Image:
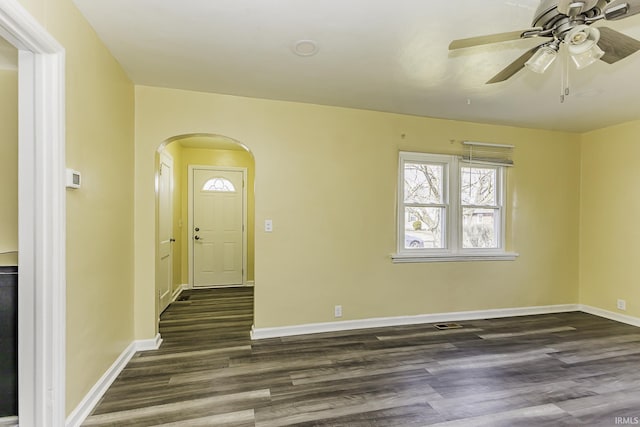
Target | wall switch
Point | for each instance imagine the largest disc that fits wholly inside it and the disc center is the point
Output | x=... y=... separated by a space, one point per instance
x=622 y=305
x=337 y=311
x=268 y=225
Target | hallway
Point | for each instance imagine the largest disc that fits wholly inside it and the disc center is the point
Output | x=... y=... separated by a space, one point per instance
x=201 y=332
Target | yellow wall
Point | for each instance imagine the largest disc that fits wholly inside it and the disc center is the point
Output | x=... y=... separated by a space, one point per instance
x=99 y=144
x=236 y=158
x=327 y=178
x=8 y=166
x=610 y=236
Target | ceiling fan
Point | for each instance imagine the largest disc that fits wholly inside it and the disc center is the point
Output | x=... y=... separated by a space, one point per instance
x=567 y=22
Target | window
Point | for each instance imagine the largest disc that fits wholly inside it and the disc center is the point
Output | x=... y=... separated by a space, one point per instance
x=425 y=204
x=222 y=185
x=449 y=209
x=481 y=207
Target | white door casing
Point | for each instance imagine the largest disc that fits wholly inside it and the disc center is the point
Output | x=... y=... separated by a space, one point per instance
x=164 y=278
x=217 y=221
x=41 y=218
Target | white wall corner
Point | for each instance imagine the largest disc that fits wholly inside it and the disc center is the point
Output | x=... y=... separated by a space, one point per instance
x=178 y=291
x=618 y=317
x=87 y=405
x=316 y=328
x=148 y=345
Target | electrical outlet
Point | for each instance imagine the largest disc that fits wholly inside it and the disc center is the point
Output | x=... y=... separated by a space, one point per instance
x=268 y=225
x=337 y=311
x=622 y=305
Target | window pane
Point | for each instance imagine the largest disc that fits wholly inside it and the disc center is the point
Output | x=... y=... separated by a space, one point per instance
x=478 y=186
x=423 y=183
x=479 y=228
x=219 y=184
x=423 y=227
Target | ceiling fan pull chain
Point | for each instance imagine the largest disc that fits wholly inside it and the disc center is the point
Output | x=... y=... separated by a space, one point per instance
x=564 y=77
x=563 y=74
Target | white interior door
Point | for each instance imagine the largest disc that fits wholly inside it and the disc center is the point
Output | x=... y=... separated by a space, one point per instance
x=217 y=233
x=165 y=232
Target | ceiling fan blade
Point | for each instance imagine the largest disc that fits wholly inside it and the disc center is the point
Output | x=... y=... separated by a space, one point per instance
x=514 y=67
x=616 y=45
x=619 y=9
x=494 y=38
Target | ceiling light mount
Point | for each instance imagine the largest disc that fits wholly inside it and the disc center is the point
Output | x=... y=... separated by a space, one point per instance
x=305 y=47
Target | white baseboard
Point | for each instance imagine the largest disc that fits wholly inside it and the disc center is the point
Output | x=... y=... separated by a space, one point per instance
x=622 y=318
x=178 y=291
x=251 y=283
x=314 y=328
x=146 y=345
x=84 y=408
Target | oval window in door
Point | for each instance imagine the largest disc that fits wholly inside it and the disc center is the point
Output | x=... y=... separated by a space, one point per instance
x=222 y=185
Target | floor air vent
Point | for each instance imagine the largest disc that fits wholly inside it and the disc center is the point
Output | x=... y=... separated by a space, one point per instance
x=444 y=326
x=183 y=298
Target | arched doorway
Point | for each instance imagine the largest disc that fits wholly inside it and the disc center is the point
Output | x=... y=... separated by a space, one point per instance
x=222 y=172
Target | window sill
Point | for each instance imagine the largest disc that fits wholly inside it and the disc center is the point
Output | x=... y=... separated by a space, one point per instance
x=415 y=258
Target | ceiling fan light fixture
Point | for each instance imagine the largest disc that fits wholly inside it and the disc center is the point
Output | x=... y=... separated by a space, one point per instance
x=588 y=57
x=583 y=46
x=542 y=59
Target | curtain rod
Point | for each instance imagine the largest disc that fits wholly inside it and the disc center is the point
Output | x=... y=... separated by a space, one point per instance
x=486 y=144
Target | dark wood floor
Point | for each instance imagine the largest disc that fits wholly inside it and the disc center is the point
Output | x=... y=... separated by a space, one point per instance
x=551 y=370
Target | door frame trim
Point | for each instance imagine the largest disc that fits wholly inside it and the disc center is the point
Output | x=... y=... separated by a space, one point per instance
x=41 y=218
x=191 y=168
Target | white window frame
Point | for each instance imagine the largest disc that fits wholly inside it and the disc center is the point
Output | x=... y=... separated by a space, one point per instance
x=452 y=229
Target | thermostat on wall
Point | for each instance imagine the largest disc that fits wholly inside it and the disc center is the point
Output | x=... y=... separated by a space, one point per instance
x=73 y=179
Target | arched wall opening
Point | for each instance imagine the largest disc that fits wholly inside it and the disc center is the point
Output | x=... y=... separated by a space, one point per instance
x=177 y=242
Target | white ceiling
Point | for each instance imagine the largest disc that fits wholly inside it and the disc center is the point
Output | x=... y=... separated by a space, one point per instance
x=386 y=55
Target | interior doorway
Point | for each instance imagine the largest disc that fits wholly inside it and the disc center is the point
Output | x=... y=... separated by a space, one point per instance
x=228 y=164
x=165 y=231
x=8 y=233
x=41 y=214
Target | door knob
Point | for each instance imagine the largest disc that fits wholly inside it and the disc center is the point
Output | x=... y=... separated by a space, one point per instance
x=196 y=237
x=197 y=229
